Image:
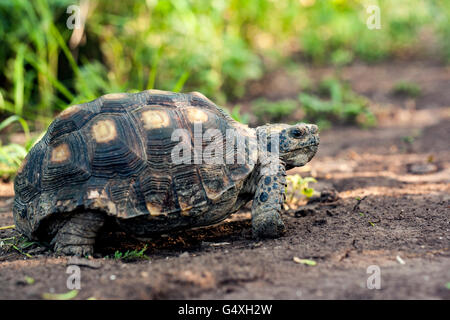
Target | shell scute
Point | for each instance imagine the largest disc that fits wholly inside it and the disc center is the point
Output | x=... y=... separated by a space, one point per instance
x=66 y=163
x=115 y=146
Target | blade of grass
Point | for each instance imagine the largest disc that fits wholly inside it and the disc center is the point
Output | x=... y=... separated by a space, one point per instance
x=7 y=227
x=181 y=81
x=11 y=156
x=43 y=70
x=20 y=251
x=60 y=40
x=18 y=77
x=154 y=67
x=22 y=122
x=8 y=239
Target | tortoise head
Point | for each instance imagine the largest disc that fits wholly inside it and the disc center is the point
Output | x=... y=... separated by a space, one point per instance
x=297 y=143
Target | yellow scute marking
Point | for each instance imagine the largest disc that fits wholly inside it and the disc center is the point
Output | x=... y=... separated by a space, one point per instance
x=276 y=128
x=104 y=131
x=69 y=111
x=93 y=194
x=212 y=193
x=155 y=91
x=153 y=209
x=185 y=208
x=113 y=96
x=154 y=119
x=60 y=153
x=196 y=115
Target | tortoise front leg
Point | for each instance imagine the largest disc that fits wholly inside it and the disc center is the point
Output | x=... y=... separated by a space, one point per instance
x=267 y=203
x=77 y=236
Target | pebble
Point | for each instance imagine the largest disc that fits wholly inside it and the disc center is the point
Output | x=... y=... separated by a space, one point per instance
x=422 y=168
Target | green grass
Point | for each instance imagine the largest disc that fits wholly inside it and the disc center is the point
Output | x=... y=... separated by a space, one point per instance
x=12 y=154
x=212 y=47
x=273 y=111
x=132 y=255
x=238 y=116
x=406 y=88
x=336 y=102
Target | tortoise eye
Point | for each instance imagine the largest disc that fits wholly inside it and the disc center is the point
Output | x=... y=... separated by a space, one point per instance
x=296 y=133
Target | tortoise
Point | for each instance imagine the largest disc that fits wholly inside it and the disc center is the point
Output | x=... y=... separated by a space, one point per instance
x=115 y=160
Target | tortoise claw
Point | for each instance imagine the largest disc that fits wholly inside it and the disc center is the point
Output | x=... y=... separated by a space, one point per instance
x=74 y=250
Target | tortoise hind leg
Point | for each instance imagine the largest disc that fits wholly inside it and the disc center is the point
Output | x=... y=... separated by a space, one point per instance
x=77 y=236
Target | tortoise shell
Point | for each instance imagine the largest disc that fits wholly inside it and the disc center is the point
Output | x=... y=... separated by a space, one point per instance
x=113 y=154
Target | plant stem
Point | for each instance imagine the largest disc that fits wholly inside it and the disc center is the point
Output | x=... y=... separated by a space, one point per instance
x=8 y=227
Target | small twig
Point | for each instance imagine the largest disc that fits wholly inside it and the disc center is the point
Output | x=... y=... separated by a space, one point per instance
x=8 y=227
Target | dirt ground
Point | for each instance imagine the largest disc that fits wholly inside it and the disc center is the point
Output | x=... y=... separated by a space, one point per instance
x=392 y=211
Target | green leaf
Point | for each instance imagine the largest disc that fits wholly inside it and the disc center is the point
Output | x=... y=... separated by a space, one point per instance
x=308 y=192
x=305 y=261
x=29 y=280
x=60 y=296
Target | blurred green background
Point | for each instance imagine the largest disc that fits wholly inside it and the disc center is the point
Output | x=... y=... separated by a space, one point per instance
x=213 y=46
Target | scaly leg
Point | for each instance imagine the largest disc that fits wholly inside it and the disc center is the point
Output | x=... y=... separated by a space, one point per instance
x=77 y=236
x=267 y=203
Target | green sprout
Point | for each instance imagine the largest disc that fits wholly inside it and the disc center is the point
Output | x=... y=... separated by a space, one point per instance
x=29 y=280
x=297 y=188
x=131 y=255
x=406 y=88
